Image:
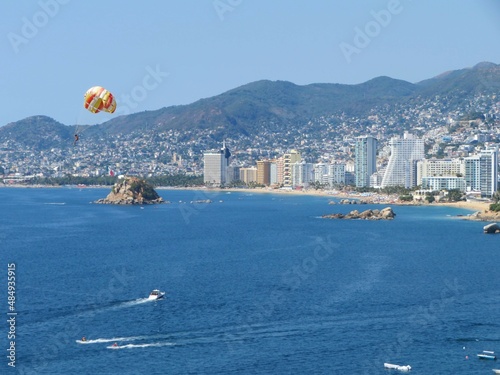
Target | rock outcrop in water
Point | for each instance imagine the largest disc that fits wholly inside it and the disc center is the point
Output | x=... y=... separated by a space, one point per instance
x=351 y=201
x=483 y=216
x=491 y=228
x=384 y=214
x=132 y=190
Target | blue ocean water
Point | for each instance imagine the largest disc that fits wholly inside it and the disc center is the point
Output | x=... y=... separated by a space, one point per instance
x=256 y=284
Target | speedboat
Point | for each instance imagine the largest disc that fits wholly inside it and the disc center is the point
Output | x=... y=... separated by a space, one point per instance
x=156 y=294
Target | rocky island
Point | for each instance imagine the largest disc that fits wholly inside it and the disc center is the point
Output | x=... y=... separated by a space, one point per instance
x=384 y=214
x=132 y=190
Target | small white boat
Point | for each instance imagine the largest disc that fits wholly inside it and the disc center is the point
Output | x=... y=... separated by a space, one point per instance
x=156 y=294
x=496 y=371
x=486 y=354
x=397 y=367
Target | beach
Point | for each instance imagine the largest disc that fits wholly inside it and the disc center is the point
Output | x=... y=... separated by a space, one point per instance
x=372 y=198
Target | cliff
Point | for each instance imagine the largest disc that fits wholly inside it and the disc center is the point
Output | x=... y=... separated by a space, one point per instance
x=132 y=190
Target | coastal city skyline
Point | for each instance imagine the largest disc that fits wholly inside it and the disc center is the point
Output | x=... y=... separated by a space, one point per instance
x=342 y=165
x=476 y=174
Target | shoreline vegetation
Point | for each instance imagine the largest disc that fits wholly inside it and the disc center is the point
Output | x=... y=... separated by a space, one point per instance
x=479 y=209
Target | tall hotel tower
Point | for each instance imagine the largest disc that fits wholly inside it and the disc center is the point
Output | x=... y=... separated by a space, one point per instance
x=401 y=169
x=288 y=160
x=481 y=172
x=366 y=160
x=215 y=168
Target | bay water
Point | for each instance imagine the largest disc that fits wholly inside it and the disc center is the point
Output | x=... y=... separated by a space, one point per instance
x=255 y=284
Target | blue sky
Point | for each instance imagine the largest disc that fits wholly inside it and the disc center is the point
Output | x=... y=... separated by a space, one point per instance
x=159 y=53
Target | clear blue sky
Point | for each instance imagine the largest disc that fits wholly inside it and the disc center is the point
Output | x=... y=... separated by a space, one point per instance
x=159 y=53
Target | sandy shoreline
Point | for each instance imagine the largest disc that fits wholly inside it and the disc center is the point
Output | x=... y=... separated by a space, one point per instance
x=372 y=198
x=475 y=206
x=470 y=205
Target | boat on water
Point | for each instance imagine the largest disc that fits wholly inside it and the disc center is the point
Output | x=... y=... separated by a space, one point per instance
x=397 y=367
x=156 y=294
x=496 y=371
x=486 y=354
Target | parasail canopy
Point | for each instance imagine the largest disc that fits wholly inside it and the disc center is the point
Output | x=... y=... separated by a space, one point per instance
x=99 y=99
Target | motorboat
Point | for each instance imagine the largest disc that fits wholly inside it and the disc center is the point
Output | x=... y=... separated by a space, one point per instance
x=156 y=294
x=487 y=355
x=496 y=371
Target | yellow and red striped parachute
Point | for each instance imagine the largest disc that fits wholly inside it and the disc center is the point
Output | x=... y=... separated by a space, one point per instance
x=99 y=99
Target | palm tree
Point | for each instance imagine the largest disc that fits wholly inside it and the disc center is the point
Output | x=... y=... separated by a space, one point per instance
x=496 y=196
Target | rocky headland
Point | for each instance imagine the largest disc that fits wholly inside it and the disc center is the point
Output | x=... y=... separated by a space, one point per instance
x=132 y=190
x=485 y=215
x=384 y=214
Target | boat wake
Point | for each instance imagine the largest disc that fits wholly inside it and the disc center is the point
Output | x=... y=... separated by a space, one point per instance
x=230 y=335
x=138 y=301
x=133 y=346
x=128 y=342
x=114 y=339
x=116 y=306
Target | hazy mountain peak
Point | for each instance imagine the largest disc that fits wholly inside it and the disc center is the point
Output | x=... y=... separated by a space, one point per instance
x=485 y=65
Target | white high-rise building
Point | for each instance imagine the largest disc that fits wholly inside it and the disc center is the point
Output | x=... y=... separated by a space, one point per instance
x=401 y=169
x=437 y=183
x=376 y=178
x=329 y=174
x=321 y=173
x=336 y=173
x=439 y=168
x=481 y=172
x=288 y=159
x=215 y=166
x=302 y=174
x=366 y=159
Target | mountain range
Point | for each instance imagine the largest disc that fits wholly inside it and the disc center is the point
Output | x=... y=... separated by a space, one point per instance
x=273 y=106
